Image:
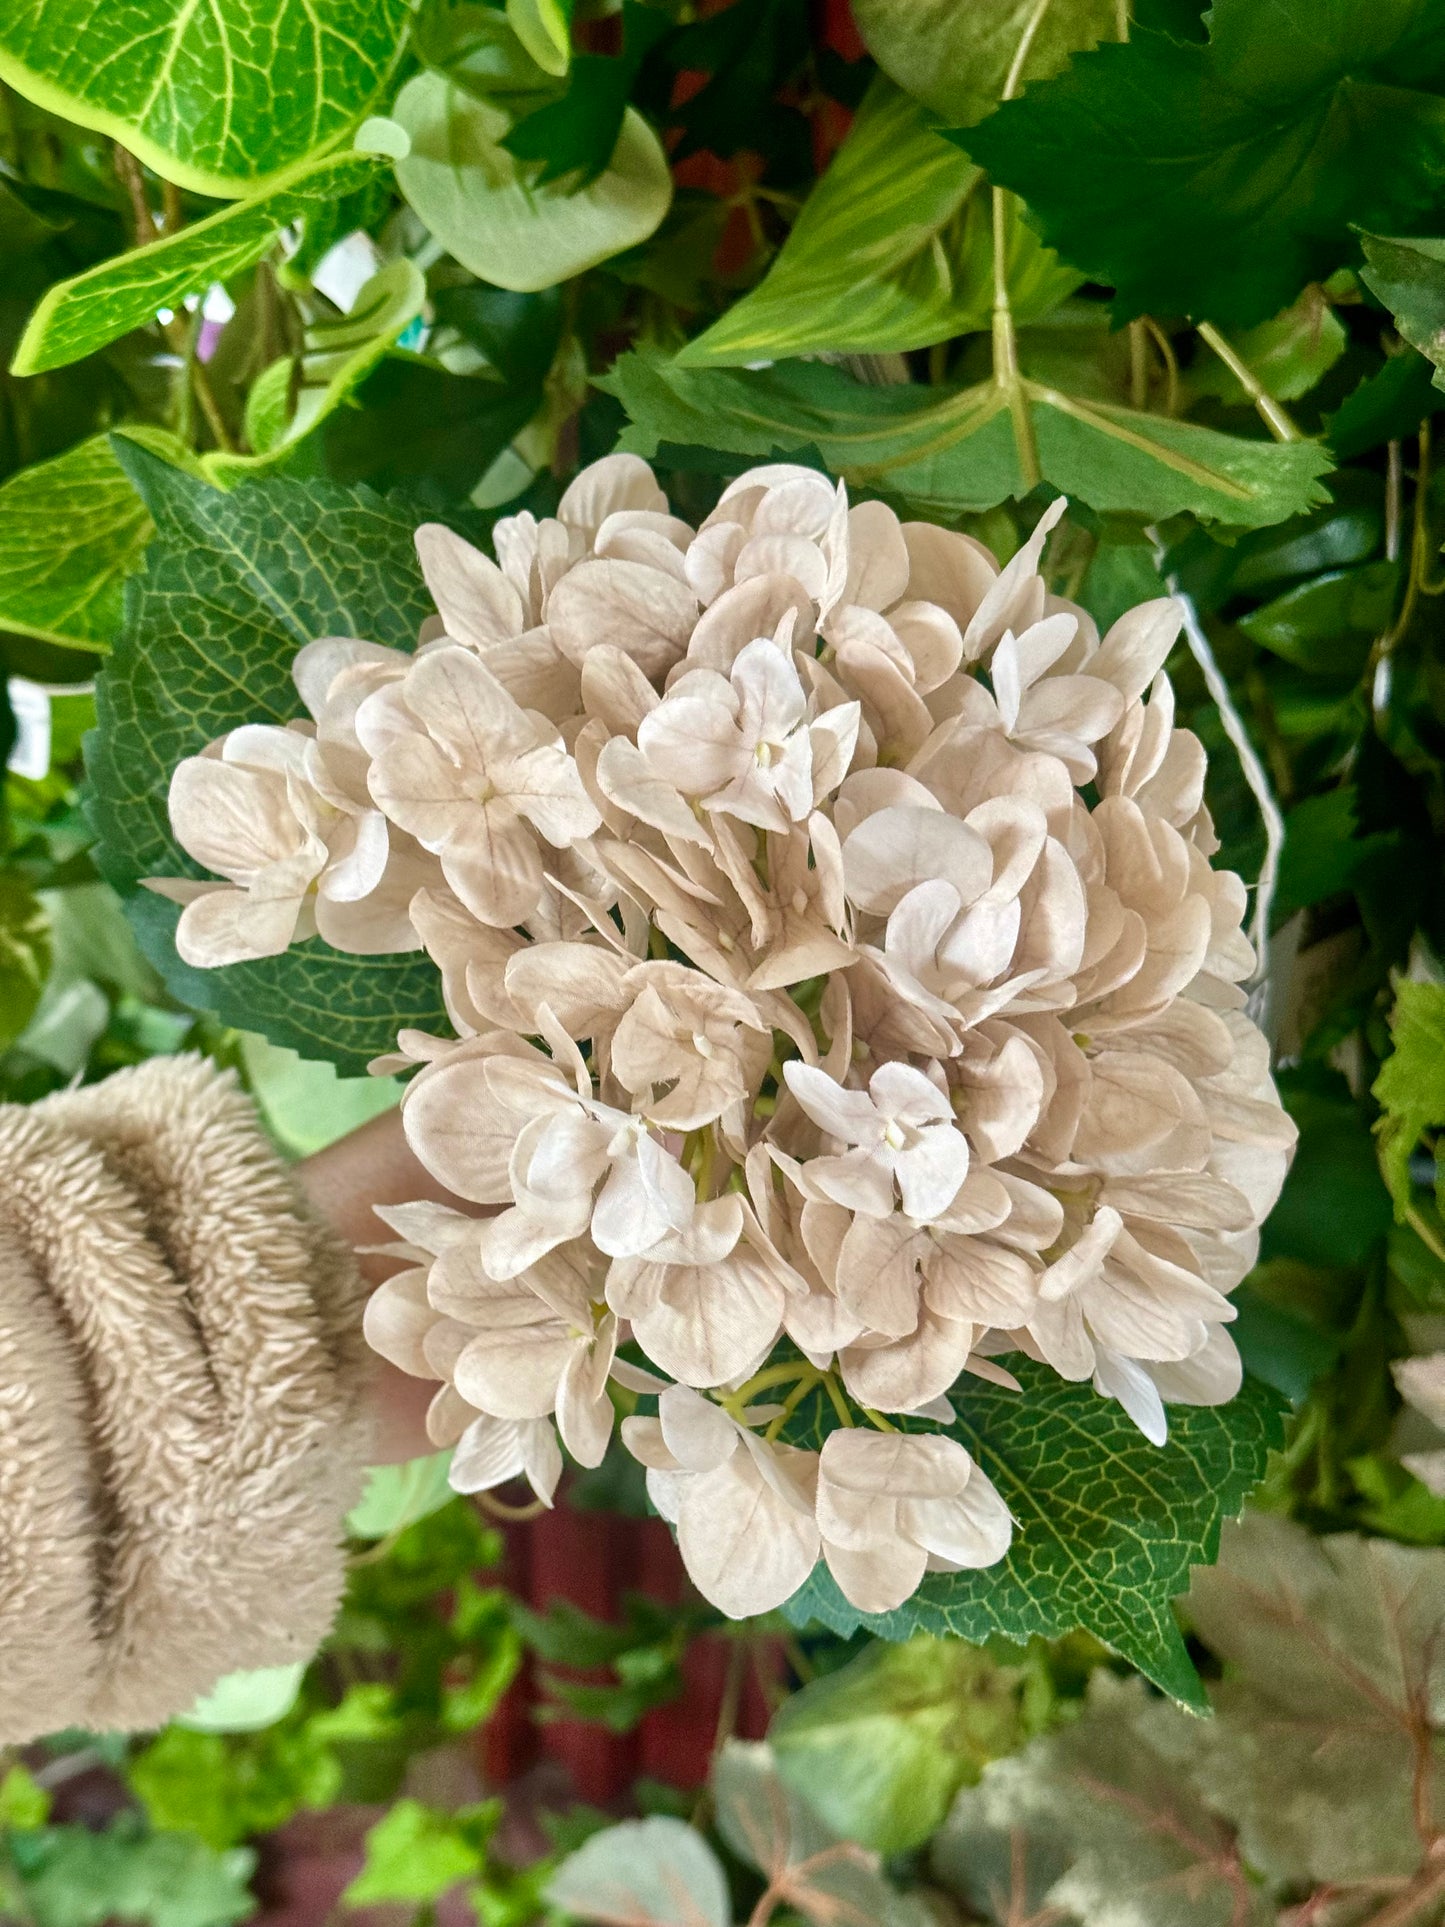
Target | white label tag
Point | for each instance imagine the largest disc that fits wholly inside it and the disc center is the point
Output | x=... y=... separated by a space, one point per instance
x=30 y=705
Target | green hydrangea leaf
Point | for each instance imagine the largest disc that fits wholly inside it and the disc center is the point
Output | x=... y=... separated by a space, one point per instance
x=233 y=586
x=477 y=201
x=1409 y=277
x=893 y=249
x=1411 y=1086
x=218 y=98
x=1289 y=353
x=1215 y=179
x=76 y=317
x=71 y=530
x=955 y=59
x=947 y=450
x=1107 y=1525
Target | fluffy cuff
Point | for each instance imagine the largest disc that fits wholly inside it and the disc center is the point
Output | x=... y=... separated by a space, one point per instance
x=182 y=1402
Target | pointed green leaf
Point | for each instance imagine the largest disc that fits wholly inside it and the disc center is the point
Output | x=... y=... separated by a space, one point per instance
x=1216 y=179
x=476 y=200
x=1107 y=1525
x=233 y=586
x=71 y=530
x=217 y=97
x=956 y=58
x=893 y=249
x=1409 y=277
x=77 y=317
x=1411 y=1086
x=949 y=450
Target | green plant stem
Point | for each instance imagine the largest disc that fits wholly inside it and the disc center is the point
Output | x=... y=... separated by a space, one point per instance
x=179 y=333
x=1005 y=340
x=1275 y=418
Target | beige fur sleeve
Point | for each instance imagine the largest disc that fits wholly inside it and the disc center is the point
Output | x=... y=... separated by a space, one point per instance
x=182 y=1402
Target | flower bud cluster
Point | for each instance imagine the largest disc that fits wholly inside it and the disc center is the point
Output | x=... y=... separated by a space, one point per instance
x=843 y=999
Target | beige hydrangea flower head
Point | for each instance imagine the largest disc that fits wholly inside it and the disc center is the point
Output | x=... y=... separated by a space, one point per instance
x=844 y=1003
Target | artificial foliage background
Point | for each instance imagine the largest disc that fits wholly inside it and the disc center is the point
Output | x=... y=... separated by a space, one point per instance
x=284 y=279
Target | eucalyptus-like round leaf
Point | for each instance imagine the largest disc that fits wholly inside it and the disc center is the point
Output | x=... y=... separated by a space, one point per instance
x=470 y=192
x=217 y=98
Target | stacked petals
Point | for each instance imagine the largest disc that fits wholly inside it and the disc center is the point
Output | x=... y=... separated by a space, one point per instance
x=843 y=1000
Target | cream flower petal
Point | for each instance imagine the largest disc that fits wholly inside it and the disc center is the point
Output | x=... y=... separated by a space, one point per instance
x=515 y=1373
x=698 y=1434
x=879 y=1578
x=473 y=597
x=746 y=1548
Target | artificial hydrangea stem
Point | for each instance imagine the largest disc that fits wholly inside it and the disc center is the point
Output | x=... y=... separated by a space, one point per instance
x=840 y=1404
x=1005 y=342
x=1275 y=418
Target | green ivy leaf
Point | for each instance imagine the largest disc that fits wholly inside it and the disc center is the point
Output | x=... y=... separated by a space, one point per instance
x=949 y=450
x=955 y=59
x=1385 y=407
x=1411 y=1086
x=71 y=530
x=893 y=249
x=77 y=317
x=1326 y=1743
x=76 y=1878
x=396 y=1496
x=234 y=585
x=1409 y=277
x=24 y=1805
x=340 y=352
x=217 y=98
x=1101 y=1824
x=1107 y=1525
x=417 y=1854
x=1216 y=179
x=474 y=198
x=657 y=1872
x=1327 y=624
x=245 y=1702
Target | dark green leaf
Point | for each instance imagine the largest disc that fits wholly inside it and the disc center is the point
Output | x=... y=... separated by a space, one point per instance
x=234 y=585
x=218 y=98
x=1326 y=625
x=949 y=450
x=1215 y=180
x=418 y=427
x=77 y=317
x=578 y=131
x=1107 y=1525
x=1334 y=1208
x=1409 y=277
x=1385 y=407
